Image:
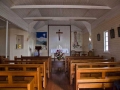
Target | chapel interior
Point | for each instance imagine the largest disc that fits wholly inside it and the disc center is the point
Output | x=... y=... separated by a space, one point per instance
x=59 y=44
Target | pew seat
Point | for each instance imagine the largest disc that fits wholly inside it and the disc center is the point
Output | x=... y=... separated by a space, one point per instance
x=71 y=70
x=11 y=83
x=27 y=67
x=102 y=81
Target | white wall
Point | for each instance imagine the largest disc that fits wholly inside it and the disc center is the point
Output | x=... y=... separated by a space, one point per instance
x=2 y=41
x=114 y=44
x=44 y=52
x=26 y=43
x=86 y=42
x=54 y=42
x=79 y=38
x=31 y=38
x=73 y=28
x=31 y=43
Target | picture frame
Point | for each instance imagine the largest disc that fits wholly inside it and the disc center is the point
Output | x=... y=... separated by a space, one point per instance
x=112 y=33
x=98 y=37
x=41 y=39
x=118 y=31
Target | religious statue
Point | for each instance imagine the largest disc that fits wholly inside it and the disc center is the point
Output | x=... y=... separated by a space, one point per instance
x=75 y=45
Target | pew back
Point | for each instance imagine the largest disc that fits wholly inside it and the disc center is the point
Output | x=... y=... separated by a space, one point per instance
x=89 y=65
x=11 y=74
x=67 y=58
x=86 y=61
x=11 y=83
x=27 y=67
x=104 y=80
x=19 y=61
x=37 y=59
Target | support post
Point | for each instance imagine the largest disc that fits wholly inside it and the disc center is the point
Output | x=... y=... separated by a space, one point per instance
x=6 y=53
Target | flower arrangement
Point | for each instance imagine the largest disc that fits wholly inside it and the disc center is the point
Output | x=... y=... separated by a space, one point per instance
x=59 y=54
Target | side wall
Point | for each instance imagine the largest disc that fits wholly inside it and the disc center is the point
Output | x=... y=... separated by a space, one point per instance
x=85 y=42
x=114 y=44
x=28 y=42
x=2 y=41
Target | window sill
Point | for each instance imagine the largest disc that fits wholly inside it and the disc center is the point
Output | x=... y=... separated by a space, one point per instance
x=106 y=52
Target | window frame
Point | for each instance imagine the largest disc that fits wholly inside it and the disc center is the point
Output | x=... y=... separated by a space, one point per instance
x=106 y=41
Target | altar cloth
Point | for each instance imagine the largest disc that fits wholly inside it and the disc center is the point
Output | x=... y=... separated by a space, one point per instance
x=63 y=50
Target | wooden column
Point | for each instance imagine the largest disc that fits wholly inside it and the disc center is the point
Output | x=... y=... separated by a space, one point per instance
x=6 y=53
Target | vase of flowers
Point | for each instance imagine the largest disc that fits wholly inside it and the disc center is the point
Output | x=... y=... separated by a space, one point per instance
x=59 y=55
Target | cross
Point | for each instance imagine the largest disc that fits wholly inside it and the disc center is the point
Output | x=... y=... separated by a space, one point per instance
x=59 y=34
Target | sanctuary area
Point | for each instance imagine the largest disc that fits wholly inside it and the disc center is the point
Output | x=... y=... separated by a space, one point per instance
x=59 y=44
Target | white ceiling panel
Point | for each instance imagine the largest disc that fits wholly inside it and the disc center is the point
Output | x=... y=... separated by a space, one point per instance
x=61 y=12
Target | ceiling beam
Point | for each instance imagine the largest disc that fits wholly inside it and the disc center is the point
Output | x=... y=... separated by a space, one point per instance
x=60 y=18
x=60 y=6
x=11 y=16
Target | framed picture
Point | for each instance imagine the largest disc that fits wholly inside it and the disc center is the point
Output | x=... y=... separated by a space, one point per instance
x=41 y=39
x=118 y=31
x=112 y=33
x=98 y=37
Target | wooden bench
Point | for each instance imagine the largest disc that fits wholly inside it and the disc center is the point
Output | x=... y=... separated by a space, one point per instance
x=90 y=65
x=67 y=58
x=87 y=60
x=29 y=83
x=1 y=59
x=103 y=80
x=6 y=61
x=27 y=67
x=39 y=58
x=13 y=84
x=30 y=58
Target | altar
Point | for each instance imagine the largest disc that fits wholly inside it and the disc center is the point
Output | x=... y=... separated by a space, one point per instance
x=64 y=51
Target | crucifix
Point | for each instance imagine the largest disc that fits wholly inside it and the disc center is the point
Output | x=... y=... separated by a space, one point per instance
x=59 y=34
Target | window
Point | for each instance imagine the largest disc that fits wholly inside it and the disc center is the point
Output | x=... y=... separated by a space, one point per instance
x=19 y=41
x=89 y=39
x=106 y=48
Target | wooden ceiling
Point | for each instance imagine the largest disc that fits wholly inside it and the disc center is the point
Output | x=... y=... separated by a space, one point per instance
x=60 y=12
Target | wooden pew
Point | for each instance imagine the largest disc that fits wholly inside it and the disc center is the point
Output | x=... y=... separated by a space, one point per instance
x=19 y=61
x=103 y=80
x=67 y=58
x=11 y=83
x=89 y=65
x=39 y=58
x=1 y=59
x=25 y=67
x=31 y=58
x=88 y=60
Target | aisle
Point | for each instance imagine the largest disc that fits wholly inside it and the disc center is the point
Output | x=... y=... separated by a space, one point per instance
x=58 y=81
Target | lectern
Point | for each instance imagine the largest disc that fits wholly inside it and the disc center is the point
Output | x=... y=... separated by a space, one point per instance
x=38 y=48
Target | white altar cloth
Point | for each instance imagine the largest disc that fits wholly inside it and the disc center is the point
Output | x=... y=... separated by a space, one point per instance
x=63 y=50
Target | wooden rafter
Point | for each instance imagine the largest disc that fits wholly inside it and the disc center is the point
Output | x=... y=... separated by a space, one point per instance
x=60 y=6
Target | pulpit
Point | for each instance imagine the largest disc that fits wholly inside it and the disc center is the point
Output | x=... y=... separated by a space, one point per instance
x=38 y=48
